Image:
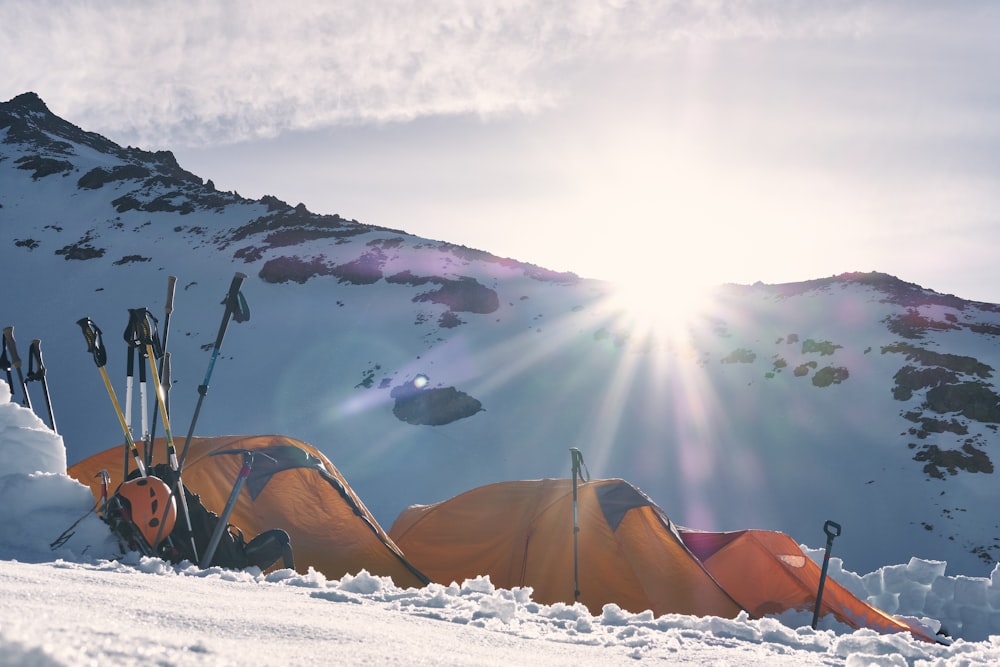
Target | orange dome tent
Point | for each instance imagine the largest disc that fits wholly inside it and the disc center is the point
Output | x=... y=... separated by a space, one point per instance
x=629 y=553
x=292 y=486
x=521 y=534
x=767 y=573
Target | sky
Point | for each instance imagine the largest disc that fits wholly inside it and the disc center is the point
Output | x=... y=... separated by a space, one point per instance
x=138 y=610
x=678 y=142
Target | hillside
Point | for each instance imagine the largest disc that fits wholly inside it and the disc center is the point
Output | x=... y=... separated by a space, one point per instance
x=423 y=369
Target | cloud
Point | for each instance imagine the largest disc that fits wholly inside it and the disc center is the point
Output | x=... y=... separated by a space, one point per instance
x=190 y=73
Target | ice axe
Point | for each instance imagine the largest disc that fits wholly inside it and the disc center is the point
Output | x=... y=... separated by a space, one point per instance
x=832 y=530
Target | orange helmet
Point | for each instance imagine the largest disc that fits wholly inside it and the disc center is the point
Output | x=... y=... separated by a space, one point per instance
x=150 y=504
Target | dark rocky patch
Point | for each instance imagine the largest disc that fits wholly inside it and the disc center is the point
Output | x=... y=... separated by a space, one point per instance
x=82 y=249
x=740 y=356
x=296 y=269
x=364 y=270
x=30 y=244
x=43 y=166
x=432 y=407
x=937 y=461
x=824 y=348
x=449 y=320
x=464 y=294
x=803 y=369
x=828 y=375
x=290 y=226
x=913 y=325
x=99 y=177
x=129 y=259
x=974 y=400
x=931 y=425
x=955 y=362
x=911 y=378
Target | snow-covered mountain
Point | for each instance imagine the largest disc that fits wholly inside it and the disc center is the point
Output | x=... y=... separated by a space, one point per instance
x=423 y=369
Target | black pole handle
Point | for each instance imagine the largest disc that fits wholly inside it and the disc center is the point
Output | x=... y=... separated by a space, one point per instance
x=832 y=530
x=95 y=341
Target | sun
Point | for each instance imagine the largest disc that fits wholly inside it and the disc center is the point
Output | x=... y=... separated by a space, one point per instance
x=652 y=312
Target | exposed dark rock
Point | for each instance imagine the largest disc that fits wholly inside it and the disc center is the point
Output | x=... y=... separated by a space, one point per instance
x=809 y=346
x=432 y=407
x=364 y=270
x=466 y=295
x=938 y=460
x=99 y=177
x=975 y=400
x=129 y=259
x=958 y=363
x=911 y=378
x=283 y=269
x=740 y=356
x=43 y=166
x=828 y=375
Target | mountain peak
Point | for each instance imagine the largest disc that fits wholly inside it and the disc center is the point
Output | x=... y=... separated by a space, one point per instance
x=29 y=101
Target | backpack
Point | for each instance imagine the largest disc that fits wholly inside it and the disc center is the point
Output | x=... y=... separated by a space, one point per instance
x=232 y=551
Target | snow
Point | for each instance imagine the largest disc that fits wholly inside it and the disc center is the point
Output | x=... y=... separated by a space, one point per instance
x=81 y=602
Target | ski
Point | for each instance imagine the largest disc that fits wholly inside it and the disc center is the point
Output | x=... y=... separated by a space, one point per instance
x=8 y=339
x=95 y=345
x=36 y=373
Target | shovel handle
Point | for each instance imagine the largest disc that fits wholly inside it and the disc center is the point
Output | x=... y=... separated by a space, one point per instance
x=832 y=529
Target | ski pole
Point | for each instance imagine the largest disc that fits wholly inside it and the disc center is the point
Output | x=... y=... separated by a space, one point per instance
x=145 y=334
x=8 y=337
x=832 y=530
x=36 y=372
x=133 y=334
x=95 y=345
x=5 y=364
x=577 y=462
x=164 y=378
x=237 y=309
x=213 y=543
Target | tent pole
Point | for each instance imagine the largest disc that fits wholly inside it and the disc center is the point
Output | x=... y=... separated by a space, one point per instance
x=577 y=461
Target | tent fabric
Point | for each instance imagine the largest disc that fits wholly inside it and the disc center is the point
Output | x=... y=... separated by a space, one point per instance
x=768 y=573
x=520 y=533
x=292 y=486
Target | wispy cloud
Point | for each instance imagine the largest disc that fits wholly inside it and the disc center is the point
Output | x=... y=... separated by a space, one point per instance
x=189 y=73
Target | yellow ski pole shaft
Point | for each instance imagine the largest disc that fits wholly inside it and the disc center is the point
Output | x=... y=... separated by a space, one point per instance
x=95 y=346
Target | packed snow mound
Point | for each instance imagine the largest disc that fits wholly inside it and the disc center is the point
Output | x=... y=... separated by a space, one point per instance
x=41 y=502
x=27 y=445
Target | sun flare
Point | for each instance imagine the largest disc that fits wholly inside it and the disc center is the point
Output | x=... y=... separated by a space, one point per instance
x=658 y=312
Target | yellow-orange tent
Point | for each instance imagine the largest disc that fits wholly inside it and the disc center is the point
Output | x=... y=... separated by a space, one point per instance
x=629 y=553
x=521 y=534
x=767 y=573
x=292 y=486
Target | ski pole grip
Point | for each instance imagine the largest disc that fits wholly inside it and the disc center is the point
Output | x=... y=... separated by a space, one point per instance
x=36 y=369
x=8 y=336
x=832 y=529
x=234 y=288
x=93 y=337
x=171 y=284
